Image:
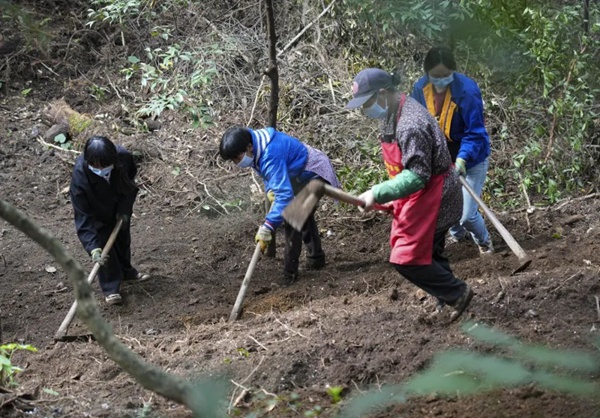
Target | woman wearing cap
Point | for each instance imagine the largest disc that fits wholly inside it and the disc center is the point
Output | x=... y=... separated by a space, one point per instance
x=423 y=193
x=102 y=191
x=455 y=101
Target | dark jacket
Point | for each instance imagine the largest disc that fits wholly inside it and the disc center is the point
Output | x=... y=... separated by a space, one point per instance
x=97 y=203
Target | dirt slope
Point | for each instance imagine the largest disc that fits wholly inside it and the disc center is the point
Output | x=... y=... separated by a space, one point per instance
x=355 y=324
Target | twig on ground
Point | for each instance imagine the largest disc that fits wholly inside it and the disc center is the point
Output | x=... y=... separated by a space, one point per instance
x=597 y=306
x=233 y=401
x=41 y=141
x=290 y=329
x=257 y=342
x=576 y=275
x=362 y=392
x=113 y=86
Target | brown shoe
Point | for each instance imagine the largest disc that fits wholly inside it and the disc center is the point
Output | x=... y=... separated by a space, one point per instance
x=462 y=303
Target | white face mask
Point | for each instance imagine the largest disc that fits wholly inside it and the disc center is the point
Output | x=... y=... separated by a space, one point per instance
x=246 y=162
x=102 y=172
x=375 y=111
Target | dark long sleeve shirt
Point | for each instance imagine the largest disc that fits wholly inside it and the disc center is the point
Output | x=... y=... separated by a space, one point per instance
x=97 y=202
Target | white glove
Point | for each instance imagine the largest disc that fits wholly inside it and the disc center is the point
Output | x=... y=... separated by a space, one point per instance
x=263 y=237
x=369 y=199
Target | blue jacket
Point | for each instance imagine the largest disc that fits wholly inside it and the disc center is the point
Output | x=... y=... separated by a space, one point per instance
x=279 y=159
x=468 y=137
x=96 y=202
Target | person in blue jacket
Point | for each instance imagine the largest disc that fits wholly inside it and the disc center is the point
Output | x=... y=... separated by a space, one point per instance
x=102 y=191
x=455 y=101
x=285 y=165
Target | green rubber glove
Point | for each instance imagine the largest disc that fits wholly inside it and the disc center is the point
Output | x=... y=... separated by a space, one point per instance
x=460 y=166
x=97 y=256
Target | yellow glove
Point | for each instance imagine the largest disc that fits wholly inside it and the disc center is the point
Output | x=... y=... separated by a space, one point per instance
x=271 y=196
x=460 y=166
x=263 y=237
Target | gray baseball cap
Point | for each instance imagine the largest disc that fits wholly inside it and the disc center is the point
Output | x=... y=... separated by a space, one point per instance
x=366 y=84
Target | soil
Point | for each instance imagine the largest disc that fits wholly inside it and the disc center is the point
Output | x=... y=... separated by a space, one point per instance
x=355 y=324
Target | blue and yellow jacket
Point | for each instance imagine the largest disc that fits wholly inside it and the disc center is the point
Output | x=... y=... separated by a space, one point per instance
x=461 y=118
x=280 y=160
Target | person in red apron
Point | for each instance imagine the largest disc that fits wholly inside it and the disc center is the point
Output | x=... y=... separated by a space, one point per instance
x=423 y=193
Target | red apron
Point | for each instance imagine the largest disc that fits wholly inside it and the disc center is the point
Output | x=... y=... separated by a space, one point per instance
x=415 y=216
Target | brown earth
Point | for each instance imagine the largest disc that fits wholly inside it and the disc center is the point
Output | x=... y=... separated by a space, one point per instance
x=355 y=324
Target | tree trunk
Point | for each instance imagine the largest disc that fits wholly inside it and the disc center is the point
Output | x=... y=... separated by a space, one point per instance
x=273 y=73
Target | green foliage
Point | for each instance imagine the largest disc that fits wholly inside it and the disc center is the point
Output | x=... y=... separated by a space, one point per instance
x=175 y=78
x=335 y=392
x=7 y=369
x=465 y=372
x=118 y=11
x=63 y=141
x=532 y=55
x=371 y=171
x=541 y=53
x=145 y=411
x=78 y=123
x=425 y=18
x=34 y=29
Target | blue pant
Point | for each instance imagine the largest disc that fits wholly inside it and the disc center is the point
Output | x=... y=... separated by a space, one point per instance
x=471 y=220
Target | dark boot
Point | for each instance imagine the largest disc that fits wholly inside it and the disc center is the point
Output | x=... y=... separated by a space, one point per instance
x=315 y=263
x=289 y=278
x=462 y=303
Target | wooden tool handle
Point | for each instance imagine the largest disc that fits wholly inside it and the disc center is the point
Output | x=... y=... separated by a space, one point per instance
x=62 y=331
x=237 y=307
x=343 y=196
x=506 y=236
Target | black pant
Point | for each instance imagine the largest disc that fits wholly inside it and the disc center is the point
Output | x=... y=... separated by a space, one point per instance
x=118 y=267
x=293 y=244
x=436 y=278
x=294 y=239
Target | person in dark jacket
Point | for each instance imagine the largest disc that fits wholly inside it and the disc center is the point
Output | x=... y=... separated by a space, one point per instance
x=102 y=191
x=286 y=165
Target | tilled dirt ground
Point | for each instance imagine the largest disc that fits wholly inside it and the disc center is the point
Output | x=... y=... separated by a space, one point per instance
x=355 y=324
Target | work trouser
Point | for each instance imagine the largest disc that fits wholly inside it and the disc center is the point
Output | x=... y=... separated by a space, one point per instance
x=118 y=267
x=294 y=239
x=471 y=220
x=436 y=278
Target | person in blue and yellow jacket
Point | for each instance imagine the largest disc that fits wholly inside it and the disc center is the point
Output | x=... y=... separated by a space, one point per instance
x=286 y=165
x=455 y=101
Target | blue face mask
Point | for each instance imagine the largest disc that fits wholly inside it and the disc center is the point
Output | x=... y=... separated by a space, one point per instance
x=375 y=111
x=102 y=172
x=246 y=162
x=442 y=82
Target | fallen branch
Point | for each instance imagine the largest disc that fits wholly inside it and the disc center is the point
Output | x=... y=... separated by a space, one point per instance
x=41 y=141
x=172 y=387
